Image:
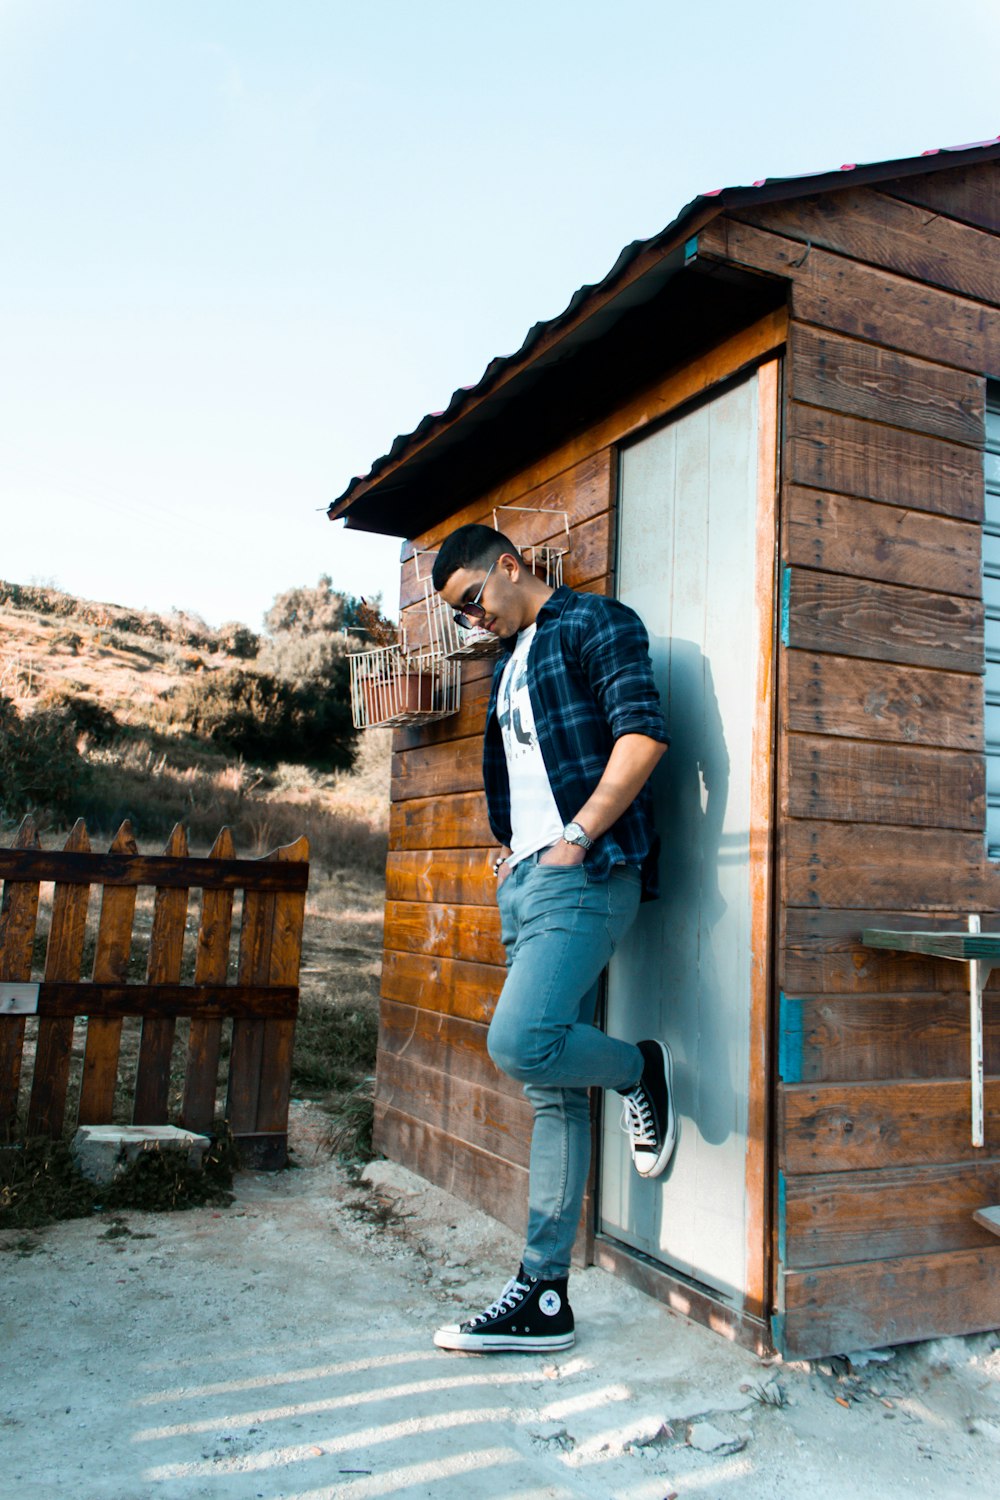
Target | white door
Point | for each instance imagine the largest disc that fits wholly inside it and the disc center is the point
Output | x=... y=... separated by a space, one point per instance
x=687 y=563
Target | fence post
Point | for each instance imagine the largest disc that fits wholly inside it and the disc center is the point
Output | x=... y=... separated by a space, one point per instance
x=166 y=952
x=211 y=967
x=111 y=956
x=279 y=1035
x=18 y=919
x=259 y=1084
x=63 y=958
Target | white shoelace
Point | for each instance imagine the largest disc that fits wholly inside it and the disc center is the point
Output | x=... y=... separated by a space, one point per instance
x=637 y=1119
x=513 y=1293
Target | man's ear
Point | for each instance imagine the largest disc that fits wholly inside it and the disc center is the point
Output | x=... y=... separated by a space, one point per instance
x=508 y=563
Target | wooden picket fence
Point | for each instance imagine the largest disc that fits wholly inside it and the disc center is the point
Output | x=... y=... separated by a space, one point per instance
x=262 y=1002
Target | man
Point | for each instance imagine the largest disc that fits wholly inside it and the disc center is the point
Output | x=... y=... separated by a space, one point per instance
x=573 y=731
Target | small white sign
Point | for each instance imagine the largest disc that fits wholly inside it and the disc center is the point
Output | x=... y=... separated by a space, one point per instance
x=18 y=999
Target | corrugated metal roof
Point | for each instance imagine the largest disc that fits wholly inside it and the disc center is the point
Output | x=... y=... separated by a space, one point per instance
x=702 y=208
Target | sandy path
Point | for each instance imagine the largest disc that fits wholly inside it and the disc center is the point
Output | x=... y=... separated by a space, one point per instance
x=281 y=1348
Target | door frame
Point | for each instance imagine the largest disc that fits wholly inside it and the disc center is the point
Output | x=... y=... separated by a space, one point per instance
x=747 y=1324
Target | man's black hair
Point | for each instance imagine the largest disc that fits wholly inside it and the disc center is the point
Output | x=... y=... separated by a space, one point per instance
x=472 y=547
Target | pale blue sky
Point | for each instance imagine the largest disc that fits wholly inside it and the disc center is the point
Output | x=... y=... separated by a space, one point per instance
x=247 y=242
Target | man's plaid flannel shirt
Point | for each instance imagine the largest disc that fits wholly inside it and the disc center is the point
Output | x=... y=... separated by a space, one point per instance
x=591 y=681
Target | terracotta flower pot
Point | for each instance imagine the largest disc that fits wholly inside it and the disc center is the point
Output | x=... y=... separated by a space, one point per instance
x=388 y=697
x=375 y=697
x=416 y=693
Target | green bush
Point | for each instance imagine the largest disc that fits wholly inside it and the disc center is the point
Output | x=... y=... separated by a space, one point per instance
x=91 y=718
x=301 y=659
x=238 y=640
x=306 y=610
x=40 y=764
x=268 y=719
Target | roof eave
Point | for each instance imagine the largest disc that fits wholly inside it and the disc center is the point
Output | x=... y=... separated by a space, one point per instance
x=650 y=262
x=663 y=254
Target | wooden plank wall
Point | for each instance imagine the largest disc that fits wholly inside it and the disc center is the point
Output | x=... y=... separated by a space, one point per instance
x=442 y=1108
x=895 y=323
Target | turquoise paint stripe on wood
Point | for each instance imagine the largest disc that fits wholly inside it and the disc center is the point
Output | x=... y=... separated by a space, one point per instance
x=786 y=603
x=790 y=1043
x=690 y=249
x=778 y=1332
x=782 y=1204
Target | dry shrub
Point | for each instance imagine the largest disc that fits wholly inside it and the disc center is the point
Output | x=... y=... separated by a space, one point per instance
x=19 y=679
x=308 y=610
x=137 y=781
x=93 y=720
x=301 y=659
x=337 y=840
x=352 y=1125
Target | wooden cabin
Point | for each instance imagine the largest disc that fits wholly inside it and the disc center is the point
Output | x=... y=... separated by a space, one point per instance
x=774 y=431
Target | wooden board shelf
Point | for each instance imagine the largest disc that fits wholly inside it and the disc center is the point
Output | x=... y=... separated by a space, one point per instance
x=984 y=946
x=981 y=951
x=989 y=1218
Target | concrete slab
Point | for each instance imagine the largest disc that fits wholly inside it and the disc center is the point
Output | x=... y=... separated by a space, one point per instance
x=103 y=1152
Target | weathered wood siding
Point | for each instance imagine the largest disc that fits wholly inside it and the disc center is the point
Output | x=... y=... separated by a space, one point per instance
x=442 y=1107
x=895 y=325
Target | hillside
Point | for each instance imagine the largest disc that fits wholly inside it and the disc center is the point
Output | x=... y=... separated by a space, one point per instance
x=53 y=643
x=96 y=660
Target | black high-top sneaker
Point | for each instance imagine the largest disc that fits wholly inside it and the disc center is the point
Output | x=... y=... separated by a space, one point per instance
x=529 y=1315
x=648 y=1117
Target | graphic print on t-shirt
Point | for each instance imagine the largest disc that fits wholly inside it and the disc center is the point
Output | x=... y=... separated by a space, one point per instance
x=534 y=817
x=514 y=712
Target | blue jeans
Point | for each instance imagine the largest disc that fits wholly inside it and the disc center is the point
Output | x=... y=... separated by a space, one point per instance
x=559 y=928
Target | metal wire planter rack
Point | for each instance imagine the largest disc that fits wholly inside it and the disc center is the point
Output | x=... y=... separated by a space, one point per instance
x=395 y=684
x=459 y=644
x=391 y=686
x=543 y=558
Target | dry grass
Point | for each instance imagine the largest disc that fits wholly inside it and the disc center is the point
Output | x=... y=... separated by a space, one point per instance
x=148 y=782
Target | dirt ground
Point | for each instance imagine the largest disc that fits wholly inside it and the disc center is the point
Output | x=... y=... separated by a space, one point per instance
x=281 y=1350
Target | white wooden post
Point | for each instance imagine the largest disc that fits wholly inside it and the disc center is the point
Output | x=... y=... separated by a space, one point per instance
x=979 y=973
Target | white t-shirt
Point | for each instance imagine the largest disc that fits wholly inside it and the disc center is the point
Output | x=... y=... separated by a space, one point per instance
x=534 y=818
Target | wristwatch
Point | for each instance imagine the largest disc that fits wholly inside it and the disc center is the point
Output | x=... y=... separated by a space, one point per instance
x=574 y=834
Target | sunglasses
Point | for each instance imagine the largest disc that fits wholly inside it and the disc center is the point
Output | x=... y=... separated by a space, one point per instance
x=473 y=613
